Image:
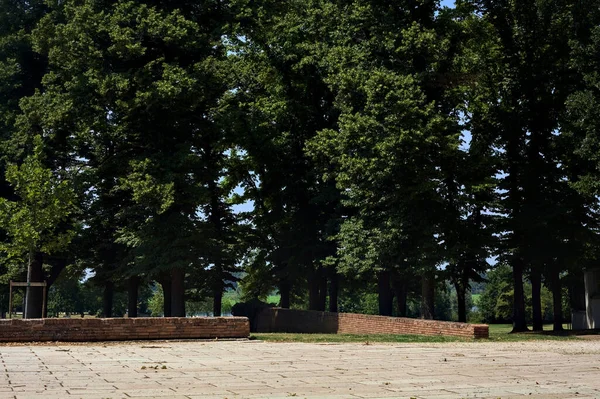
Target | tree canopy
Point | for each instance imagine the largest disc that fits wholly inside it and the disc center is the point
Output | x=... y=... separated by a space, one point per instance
x=316 y=149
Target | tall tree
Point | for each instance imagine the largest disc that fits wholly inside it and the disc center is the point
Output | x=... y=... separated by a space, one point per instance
x=580 y=129
x=283 y=103
x=33 y=222
x=21 y=71
x=521 y=100
x=136 y=86
x=397 y=125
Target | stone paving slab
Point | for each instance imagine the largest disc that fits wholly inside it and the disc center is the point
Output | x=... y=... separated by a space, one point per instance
x=251 y=369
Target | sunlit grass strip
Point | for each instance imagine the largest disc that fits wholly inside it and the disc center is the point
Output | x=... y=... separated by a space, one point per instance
x=361 y=338
x=498 y=333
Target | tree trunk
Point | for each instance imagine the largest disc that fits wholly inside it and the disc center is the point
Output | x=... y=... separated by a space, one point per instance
x=177 y=292
x=322 y=290
x=401 y=294
x=428 y=296
x=132 y=300
x=556 y=300
x=34 y=295
x=577 y=291
x=215 y=218
x=333 y=292
x=45 y=311
x=519 y=323
x=313 y=290
x=165 y=282
x=461 y=295
x=385 y=293
x=107 y=299
x=217 y=300
x=284 y=294
x=536 y=299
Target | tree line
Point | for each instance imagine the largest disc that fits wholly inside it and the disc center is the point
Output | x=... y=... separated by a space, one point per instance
x=314 y=148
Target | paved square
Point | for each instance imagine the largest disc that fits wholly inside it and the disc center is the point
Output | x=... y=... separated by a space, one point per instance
x=254 y=369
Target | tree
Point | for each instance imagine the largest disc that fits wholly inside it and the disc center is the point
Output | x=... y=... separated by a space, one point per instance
x=33 y=223
x=21 y=71
x=580 y=137
x=520 y=101
x=283 y=101
x=134 y=89
x=66 y=294
x=397 y=125
x=495 y=303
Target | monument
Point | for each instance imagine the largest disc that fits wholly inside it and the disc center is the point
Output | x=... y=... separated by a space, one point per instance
x=589 y=318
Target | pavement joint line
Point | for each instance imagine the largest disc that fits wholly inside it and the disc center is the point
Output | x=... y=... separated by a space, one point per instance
x=361 y=368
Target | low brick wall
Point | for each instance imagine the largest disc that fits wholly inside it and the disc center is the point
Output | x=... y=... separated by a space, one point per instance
x=121 y=329
x=306 y=321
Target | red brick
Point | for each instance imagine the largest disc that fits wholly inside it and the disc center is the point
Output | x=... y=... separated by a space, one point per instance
x=303 y=321
x=78 y=329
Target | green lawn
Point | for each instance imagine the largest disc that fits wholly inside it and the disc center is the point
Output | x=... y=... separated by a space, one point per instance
x=340 y=338
x=498 y=333
x=501 y=332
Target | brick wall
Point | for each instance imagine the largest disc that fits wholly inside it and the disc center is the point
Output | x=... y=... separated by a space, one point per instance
x=119 y=329
x=306 y=321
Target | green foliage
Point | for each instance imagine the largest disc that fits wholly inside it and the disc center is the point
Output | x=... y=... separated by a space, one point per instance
x=131 y=130
x=495 y=304
x=66 y=294
x=281 y=103
x=204 y=307
x=259 y=280
x=156 y=301
x=394 y=152
x=146 y=190
x=359 y=301
x=518 y=110
x=492 y=302
x=444 y=304
x=46 y=202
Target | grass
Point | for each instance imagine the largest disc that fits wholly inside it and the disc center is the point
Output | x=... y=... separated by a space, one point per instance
x=498 y=333
x=347 y=338
x=273 y=299
x=501 y=333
